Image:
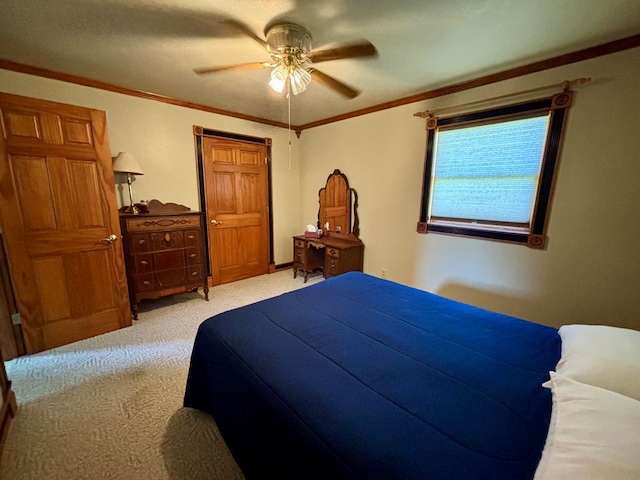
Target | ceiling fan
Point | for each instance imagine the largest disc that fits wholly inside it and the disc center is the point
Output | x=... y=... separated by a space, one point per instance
x=293 y=60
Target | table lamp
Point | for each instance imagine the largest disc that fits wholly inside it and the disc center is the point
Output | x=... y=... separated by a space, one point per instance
x=126 y=163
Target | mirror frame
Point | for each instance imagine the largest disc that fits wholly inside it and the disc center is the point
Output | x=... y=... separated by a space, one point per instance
x=352 y=203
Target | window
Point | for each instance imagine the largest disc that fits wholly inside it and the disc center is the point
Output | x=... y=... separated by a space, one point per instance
x=489 y=174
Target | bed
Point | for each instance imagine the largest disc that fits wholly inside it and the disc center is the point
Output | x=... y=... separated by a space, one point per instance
x=360 y=377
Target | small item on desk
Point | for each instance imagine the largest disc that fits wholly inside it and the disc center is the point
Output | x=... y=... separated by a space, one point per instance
x=143 y=206
x=311 y=232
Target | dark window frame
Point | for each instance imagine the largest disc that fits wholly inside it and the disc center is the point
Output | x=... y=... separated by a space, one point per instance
x=557 y=107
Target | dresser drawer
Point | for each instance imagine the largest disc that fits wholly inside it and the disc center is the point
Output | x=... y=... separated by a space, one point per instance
x=167 y=240
x=140 y=243
x=168 y=278
x=144 y=283
x=332 y=266
x=142 y=263
x=195 y=273
x=192 y=238
x=332 y=252
x=194 y=256
x=298 y=243
x=168 y=222
x=169 y=259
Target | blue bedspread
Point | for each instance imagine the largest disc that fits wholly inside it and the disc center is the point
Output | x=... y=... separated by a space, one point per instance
x=358 y=377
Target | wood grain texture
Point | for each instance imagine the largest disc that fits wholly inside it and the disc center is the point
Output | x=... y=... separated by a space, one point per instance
x=164 y=252
x=58 y=206
x=236 y=191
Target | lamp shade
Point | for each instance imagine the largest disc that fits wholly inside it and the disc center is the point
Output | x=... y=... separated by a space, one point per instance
x=126 y=163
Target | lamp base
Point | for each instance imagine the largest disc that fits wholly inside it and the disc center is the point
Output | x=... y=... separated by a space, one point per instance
x=132 y=210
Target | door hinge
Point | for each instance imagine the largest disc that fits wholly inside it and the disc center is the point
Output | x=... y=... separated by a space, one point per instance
x=16 y=319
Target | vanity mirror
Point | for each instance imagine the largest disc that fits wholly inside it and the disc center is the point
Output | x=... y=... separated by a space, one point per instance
x=338 y=206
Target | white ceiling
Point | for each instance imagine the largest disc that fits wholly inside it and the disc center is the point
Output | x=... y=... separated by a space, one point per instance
x=153 y=45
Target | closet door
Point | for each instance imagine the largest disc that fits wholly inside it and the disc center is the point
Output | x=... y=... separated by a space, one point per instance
x=60 y=222
x=237 y=198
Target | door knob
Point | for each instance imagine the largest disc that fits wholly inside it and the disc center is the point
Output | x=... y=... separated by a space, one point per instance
x=111 y=238
x=215 y=222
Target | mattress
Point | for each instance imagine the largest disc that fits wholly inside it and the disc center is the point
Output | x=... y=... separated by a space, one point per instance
x=359 y=377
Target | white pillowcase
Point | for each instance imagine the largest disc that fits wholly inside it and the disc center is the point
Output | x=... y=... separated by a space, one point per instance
x=603 y=356
x=594 y=434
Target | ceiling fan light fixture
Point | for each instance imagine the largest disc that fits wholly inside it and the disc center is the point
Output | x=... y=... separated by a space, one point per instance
x=279 y=77
x=299 y=80
x=293 y=60
x=283 y=36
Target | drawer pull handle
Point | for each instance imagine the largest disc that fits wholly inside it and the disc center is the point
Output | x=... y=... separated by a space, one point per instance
x=192 y=255
x=194 y=274
x=144 y=262
x=192 y=237
x=140 y=242
x=146 y=282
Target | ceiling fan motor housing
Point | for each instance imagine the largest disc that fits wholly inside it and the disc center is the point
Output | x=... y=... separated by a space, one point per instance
x=283 y=37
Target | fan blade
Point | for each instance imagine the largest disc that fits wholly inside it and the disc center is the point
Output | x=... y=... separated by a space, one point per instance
x=364 y=49
x=228 y=68
x=246 y=30
x=333 y=84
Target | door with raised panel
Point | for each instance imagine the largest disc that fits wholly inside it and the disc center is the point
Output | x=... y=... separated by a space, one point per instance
x=60 y=222
x=236 y=189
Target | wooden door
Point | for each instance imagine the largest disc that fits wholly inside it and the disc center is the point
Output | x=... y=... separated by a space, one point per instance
x=60 y=222
x=235 y=178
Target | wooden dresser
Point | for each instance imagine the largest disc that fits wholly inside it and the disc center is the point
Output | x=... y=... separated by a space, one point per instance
x=164 y=252
x=333 y=255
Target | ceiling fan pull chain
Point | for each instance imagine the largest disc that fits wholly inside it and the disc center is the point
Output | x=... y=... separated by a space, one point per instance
x=289 y=117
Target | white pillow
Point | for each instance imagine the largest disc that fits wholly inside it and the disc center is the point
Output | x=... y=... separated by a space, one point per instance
x=594 y=434
x=607 y=357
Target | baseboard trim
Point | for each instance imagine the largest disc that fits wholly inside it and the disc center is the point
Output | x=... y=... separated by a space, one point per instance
x=281 y=266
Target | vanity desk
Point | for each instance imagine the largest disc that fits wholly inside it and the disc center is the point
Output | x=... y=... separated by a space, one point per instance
x=332 y=255
x=339 y=250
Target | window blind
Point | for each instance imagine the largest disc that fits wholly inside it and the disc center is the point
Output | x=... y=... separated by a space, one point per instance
x=488 y=172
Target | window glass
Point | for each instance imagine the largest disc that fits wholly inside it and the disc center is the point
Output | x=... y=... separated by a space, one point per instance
x=489 y=174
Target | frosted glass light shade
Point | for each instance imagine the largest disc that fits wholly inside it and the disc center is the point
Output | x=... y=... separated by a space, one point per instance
x=299 y=79
x=278 y=78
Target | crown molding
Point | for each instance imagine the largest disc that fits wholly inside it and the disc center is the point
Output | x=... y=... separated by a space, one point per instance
x=578 y=56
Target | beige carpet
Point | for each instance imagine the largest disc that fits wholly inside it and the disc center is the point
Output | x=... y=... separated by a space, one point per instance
x=110 y=407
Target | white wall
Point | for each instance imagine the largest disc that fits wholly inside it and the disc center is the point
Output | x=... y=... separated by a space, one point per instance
x=161 y=138
x=590 y=270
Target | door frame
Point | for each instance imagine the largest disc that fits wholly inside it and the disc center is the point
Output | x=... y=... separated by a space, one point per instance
x=199 y=133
